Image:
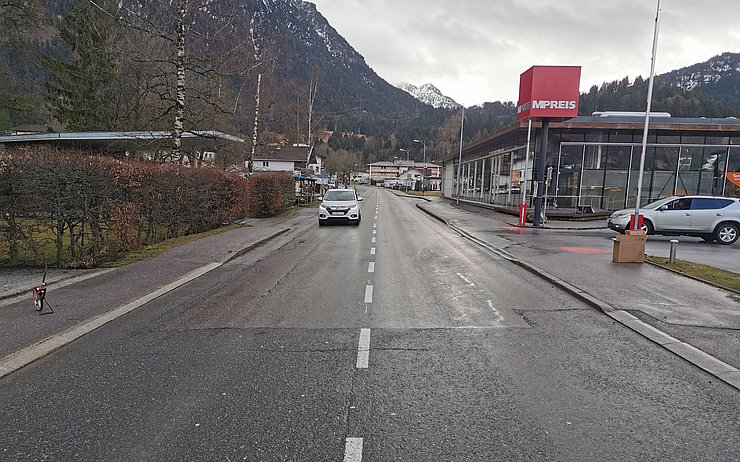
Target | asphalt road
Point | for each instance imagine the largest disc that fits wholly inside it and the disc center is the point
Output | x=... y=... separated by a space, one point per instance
x=393 y=340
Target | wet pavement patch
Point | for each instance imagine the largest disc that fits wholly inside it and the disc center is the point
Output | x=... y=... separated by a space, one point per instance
x=584 y=250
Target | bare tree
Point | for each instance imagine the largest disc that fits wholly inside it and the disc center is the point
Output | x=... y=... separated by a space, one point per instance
x=198 y=67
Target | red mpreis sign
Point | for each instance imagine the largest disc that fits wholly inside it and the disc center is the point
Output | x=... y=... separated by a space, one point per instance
x=549 y=91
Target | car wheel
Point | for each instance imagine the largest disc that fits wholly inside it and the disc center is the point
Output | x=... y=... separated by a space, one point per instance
x=647 y=226
x=726 y=233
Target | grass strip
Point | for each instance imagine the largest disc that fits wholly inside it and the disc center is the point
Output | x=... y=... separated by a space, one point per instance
x=719 y=277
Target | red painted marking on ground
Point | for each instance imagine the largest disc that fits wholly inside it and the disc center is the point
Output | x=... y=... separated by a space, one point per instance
x=521 y=229
x=584 y=250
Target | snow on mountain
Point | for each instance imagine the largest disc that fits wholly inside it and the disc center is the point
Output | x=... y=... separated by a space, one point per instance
x=430 y=95
x=718 y=77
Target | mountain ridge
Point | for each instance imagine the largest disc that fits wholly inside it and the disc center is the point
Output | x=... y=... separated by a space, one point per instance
x=429 y=95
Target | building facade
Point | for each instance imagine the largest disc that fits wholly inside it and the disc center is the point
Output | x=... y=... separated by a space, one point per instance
x=381 y=171
x=594 y=162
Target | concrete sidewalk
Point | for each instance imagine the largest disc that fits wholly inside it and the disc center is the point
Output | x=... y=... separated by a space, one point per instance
x=667 y=307
x=78 y=298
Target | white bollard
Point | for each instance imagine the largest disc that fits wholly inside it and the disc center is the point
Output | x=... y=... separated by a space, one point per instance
x=674 y=247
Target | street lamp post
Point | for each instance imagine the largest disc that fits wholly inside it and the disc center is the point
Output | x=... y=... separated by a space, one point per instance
x=407 y=153
x=424 y=165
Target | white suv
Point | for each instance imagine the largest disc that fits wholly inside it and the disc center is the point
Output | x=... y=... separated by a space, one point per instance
x=707 y=217
x=341 y=206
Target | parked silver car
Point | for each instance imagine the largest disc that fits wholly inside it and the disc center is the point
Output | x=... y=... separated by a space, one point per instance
x=710 y=218
x=340 y=205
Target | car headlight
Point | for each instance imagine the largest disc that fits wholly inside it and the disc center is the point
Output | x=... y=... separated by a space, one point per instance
x=322 y=206
x=620 y=215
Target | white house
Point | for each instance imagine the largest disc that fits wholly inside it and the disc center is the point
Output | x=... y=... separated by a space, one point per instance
x=281 y=159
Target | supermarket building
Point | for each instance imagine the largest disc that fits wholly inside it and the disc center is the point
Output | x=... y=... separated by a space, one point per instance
x=592 y=162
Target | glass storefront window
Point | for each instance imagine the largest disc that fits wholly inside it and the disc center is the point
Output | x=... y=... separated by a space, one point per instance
x=689 y=165
x=568 y=175
x=618 y=157
x=592 y=188
x=712 y=170
x=622 y=136
x=732 y=179
x=615 y=189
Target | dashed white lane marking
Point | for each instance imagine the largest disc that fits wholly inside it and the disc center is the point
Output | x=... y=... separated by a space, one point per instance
x=368 y=294
x=375 y=232
x=353 y=450
x=371 y=267
x=466 y=280
x=495 y=311
x=374 y=240
x=376 y=217
x=372 y=250
x=363 y=349
x=375 y=225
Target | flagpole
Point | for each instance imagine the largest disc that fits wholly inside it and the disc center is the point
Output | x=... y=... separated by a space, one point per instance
x=647 y=120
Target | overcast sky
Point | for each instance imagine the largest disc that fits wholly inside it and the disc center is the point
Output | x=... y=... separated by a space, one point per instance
x=474 y=50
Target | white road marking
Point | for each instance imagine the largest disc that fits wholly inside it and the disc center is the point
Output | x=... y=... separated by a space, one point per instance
x=495 y=311
x=375 y=225
x=369 y=294
x=466 y=280
x=363 y=349
x=372 y=250
x=373 y=240
x=371 y=267
x=353 y=450
x=375 y=231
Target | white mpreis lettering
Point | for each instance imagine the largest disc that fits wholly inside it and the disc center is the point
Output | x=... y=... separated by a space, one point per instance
x=537 y=104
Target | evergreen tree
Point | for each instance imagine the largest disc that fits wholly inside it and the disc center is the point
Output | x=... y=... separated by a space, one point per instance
x=81 y=93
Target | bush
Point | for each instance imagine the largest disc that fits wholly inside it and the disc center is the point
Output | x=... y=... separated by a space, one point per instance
x=85 y=209
x=270 y=193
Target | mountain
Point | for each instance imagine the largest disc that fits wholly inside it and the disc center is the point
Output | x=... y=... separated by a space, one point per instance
x=620 y=95
x=719 y=77
x=429 y=95
x=288 y=41
x=305 y=48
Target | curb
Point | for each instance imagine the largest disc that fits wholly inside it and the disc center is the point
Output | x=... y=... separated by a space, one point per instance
x=253 y=246
x=693 y=355
x=38 y=350
x=569 y=228
x=412 y=196
x=436 y=217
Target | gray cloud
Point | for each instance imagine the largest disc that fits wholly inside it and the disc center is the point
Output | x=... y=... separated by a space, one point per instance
x=474 y=50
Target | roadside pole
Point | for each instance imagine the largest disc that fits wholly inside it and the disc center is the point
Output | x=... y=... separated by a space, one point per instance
x=541 y=162
x=523 y=205
x=459 y=158
x=635 y=217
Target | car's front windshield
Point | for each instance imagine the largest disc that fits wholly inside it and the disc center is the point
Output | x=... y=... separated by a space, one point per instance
x=339 y=196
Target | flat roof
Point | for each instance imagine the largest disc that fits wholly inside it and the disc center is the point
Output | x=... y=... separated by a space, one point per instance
x=121 y=141
x=606 y=121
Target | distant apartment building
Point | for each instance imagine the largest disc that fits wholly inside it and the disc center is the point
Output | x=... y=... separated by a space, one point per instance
x=385 y=170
